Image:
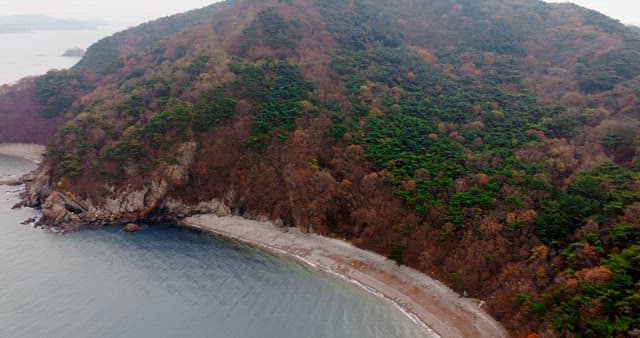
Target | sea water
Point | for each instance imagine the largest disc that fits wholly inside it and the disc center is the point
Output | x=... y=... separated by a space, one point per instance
x=35 y=53
x=168 y=281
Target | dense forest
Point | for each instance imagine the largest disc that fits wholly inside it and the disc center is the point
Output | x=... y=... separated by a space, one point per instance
x=494 y=144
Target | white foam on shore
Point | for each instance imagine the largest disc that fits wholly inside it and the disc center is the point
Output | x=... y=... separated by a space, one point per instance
x=28 y=151
x=484 y=324
x=317 y=266
x=328 y=270
x=438 y=305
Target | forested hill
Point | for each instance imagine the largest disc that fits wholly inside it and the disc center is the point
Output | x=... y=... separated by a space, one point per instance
x=490 y=143
x=106 y=55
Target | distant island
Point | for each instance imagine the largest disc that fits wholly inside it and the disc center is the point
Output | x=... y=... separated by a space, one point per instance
x=28 y=23
x=75 y=52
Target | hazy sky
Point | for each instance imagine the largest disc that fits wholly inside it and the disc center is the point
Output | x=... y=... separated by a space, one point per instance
x=627 y=11
x=121 y=11
x=136 y=11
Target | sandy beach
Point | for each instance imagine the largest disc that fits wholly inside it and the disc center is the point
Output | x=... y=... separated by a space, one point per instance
x=31 y=152
x=428 y=302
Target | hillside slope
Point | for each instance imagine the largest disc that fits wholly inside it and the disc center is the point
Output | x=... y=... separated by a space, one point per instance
x=28 y=114
x=492 y=144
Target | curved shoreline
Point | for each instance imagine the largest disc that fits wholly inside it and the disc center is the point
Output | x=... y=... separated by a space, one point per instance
x=27 y=151
x=426 y=301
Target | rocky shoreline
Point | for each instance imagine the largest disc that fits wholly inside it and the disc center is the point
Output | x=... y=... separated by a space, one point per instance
x=428 y=302
x=11 y=181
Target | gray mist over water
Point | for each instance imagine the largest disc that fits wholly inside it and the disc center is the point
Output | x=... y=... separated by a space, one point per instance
x=34 y=53
x=167 y=281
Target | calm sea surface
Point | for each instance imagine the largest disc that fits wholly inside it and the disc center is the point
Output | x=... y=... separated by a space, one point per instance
x=26 y=54
x=167 y=281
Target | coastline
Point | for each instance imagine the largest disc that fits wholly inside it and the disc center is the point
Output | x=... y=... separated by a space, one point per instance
x=28 y=151
x=426 y=301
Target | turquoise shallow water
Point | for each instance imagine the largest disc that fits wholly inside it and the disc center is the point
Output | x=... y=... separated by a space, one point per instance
x=167 y=281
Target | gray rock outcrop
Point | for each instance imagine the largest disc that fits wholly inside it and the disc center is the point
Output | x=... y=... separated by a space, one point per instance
x=65 y=210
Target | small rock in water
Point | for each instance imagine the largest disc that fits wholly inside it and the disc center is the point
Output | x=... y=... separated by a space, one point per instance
x=29 y=221
x=131 y=227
